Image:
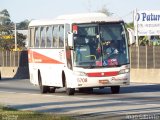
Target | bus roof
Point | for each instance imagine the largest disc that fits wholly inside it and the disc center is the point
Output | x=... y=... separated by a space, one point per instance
x=77 y=18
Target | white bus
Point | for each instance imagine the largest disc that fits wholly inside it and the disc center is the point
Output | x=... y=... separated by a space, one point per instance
x=80 y=51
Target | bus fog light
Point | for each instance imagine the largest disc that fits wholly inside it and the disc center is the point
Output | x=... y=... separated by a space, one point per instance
x=80 y=73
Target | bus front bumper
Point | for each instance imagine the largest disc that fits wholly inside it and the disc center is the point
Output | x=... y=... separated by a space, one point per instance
x=84 y=81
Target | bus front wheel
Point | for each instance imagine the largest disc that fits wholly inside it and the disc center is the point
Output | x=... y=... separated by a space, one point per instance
x=70 y=91
x=115 y=89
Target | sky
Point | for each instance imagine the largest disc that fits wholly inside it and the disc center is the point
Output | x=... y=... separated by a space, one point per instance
x=21 y=10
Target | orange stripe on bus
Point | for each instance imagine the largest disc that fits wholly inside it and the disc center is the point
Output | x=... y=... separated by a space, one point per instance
x=35 y=57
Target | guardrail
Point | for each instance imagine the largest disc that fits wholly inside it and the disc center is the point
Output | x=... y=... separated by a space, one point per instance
x=145 y=57
x=13 y=58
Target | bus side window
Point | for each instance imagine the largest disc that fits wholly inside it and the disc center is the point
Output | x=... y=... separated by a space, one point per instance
x=43 y=36
x=37 y=37
x=49 y=37
x=55 y=36
x=31 y=37
x=61 y=36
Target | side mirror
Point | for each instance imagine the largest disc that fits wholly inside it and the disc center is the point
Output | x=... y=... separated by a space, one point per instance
x=131 y=34
x=70 y=39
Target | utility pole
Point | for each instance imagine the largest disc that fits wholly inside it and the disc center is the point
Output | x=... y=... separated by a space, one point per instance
x=136 y=26
x=15 y=36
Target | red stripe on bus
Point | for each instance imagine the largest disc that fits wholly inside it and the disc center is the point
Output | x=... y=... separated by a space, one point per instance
x=35 y=57
x=102 y=74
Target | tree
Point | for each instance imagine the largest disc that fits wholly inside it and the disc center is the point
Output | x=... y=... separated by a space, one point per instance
x=130 y=25
x=5 y=13
x=5 y=29
x=5 y=17
x=23 y=25
x=7 y=34
x=143 y=40
x=105 y=11
x=20 y=41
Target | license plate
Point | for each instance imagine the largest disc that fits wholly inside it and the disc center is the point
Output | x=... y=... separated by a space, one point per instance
x=103 y=81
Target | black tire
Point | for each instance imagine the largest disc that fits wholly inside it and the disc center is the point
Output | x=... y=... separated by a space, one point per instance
x=115 y=89
x=70 y=91
x=0 y=76
x=85 y=90
x=52 y=89
x=43 y=89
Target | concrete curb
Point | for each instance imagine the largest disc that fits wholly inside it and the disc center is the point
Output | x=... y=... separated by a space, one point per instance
x=145 y=75
x=15 y=72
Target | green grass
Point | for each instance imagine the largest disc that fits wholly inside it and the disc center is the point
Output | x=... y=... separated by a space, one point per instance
x=7 y=113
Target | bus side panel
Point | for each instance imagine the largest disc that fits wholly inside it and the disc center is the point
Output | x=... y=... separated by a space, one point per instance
x=33 y=74
x=52 y=75
x=32 y=69
x=71 y=78
x=50 y=63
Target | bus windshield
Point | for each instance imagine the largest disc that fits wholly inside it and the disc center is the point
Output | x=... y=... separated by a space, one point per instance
x=100 y=45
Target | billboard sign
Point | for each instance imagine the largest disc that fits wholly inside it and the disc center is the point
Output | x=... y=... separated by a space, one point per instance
x=147 y=22
x=6 y=37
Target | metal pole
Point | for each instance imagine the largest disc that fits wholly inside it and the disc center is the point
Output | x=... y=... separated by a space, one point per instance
x=138 y=56
x=146 y=57
x=15 y=34
x=154 y=60
x=136 y=26
x=136 y=33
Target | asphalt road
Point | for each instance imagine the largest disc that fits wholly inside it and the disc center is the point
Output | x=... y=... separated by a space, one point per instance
x=137 y=101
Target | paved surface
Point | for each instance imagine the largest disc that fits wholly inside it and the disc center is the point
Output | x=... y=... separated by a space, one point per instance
x=137 y=101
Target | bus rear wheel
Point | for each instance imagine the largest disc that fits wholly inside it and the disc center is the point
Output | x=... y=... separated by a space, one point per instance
x=43 y=89
x=52 y=90
x=115 y=89
x=0 y=75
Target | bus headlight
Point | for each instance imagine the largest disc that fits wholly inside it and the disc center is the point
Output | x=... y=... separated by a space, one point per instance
x=80 y=73
x=123 y=71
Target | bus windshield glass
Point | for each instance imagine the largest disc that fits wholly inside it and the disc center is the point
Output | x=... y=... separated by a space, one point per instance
x=100 y=45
